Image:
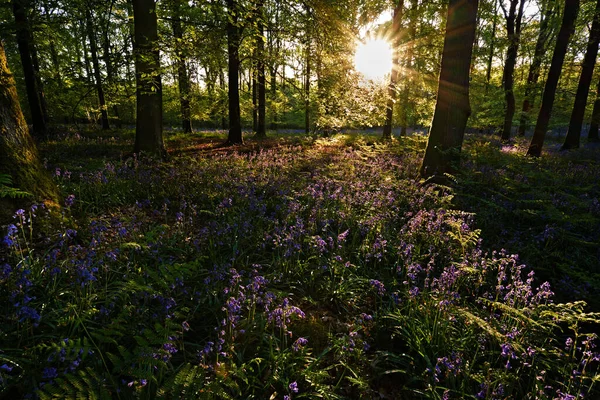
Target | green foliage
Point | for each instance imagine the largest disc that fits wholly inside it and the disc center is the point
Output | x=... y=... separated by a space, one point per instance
x=6 y=191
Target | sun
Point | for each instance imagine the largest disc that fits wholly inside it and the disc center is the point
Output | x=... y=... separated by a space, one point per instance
x=373 y=58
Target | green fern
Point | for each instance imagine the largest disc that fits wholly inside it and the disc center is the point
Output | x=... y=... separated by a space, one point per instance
x=7 y=191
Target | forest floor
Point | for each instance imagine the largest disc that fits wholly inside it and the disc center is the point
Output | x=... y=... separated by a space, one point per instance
x=303 y=267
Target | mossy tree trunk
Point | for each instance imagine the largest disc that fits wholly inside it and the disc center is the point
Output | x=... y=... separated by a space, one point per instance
x=24 y=36
x=149 y=113
x=452 y=108
x=18 y=153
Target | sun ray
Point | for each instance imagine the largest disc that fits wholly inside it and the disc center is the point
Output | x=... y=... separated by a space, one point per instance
x=373 y=58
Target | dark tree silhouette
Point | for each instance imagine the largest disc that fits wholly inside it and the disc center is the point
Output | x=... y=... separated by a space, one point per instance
x=452 y=108
x=593 y=133
x=583 y=88
x=536 y=62
x=558 y=57
x=97 y=74
x=183 y=79
x=149 y=113
x=233 y=46
x=513 y=28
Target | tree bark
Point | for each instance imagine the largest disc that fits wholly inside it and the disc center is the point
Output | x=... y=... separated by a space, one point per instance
x=566 y=30
x=414 y=12
x=513 y=28
x=389 y=110
x=593 y=132
x=307 y=91
x=149 y=111
x=183 y=79
x=585 y=80
x=233 y=45
x=488 y=72
x=96 y=64
x=24 y=45
x=452 y=108
x=536 y=63
x=261 y=130
x=18 y=154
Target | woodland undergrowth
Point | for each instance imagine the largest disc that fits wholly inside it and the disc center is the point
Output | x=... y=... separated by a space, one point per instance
x=311 y=268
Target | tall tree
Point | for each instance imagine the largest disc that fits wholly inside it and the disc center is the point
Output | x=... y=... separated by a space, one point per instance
x=513 y=30
x=490 y=60
x=593 y=132
x=18 y=154
x=392 y=89
x=260 y=65
x=24 y=36
x=234 y=36
x=562 y=42
x=96 y=64
x=452 y=108
x=545 y=31
x=585 y=80
x=183 y=79
x=149 y=113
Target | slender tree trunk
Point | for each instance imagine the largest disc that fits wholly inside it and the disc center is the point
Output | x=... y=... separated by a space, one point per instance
x=585 y=80
x=389 y=110
x=233 y=45
x=593 y=132
x=18 y=154
x=566 y=30
x=536 y=63
x=38 y=80
x=307 y=91
x=183 y=79
x=488 y=72
x=222 y=101
x=149 y=113
x=513 y=27
x=254 y=93
x=452 y=108
x=23 y=42
x=261 y=130
x=408 y=67
x=96 y=64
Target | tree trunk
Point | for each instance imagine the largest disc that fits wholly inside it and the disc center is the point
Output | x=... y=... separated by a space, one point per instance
x=38 y=80
x=593 y=133
x=566 y=30
x=149 y=113
x=488 y=72
x=222 y=101
x=261 y=131
x=536 y=63
x=452 y=108
x=23 y=42
x=307 y=91
x=408 y=67
x=585 y=80
x=513 y=28
x=18 y=154
x=183 y=79
x=389 y=110
x=254 y=93
x=96 y=64
x=233 y=46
